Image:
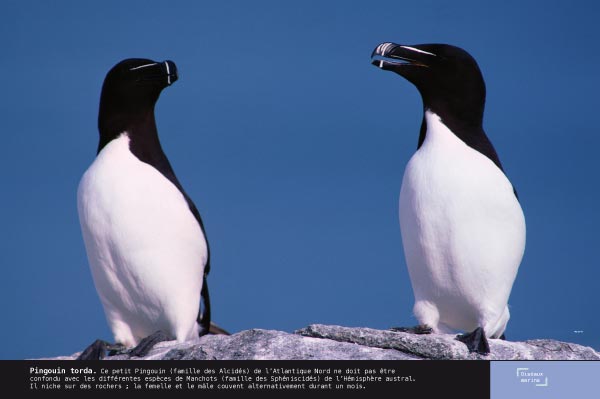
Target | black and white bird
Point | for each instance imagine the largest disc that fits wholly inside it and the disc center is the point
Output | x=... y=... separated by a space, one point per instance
x=144 y=237
x=463 y=229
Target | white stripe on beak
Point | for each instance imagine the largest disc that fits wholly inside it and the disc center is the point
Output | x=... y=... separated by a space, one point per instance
x=168 y=73
x=417 y=50
x=143 y=66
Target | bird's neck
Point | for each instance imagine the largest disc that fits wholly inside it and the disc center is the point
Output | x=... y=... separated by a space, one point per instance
x=144 y=144
x=466 y=125
x=139 y=126
x=472 y=134
x=143 y=139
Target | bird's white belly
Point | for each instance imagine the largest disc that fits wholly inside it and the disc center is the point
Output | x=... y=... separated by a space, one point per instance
x=463 y=233
x=146 y=250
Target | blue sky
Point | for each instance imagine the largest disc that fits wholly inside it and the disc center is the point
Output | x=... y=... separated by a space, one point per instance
x=293 y=148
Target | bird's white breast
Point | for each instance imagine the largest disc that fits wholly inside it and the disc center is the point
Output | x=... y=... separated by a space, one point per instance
x=146 y=250
x=463 y=229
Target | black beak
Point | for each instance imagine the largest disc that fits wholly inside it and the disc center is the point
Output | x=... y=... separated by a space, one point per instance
x=392 y=56
x=165 y=72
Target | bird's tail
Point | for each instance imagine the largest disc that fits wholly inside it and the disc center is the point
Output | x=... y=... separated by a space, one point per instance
x=215 y=329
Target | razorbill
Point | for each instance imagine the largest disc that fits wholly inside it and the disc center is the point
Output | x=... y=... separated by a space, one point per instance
x=463 y=230
x=144 y=237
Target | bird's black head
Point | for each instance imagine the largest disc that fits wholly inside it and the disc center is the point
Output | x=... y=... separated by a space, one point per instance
x=129 y=93
x=447 y=77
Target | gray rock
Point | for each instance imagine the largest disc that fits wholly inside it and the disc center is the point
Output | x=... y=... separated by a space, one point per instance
x=445 y=346
x=258 y=344
x=326 y=342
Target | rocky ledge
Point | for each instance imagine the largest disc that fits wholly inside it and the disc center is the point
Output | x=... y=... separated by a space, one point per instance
x=326 y=342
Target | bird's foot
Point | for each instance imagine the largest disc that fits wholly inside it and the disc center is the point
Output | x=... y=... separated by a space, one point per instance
x=475 y=341
x=116 y=349
x=97 y=350
x=148 y=343
x=420 y=329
